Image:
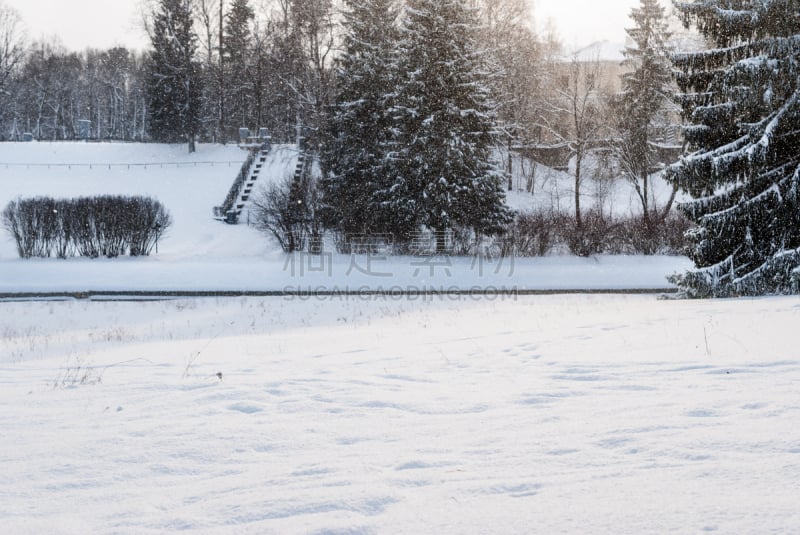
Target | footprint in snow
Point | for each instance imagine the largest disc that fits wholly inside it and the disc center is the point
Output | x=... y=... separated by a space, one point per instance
x=245 y=408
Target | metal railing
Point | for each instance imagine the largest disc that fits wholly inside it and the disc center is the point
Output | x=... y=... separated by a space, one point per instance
x=111 y=165
x=236 y=187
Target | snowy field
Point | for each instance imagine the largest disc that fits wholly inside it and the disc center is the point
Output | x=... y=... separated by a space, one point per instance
x=559 y=414
x=200 y=253
x=347 y=415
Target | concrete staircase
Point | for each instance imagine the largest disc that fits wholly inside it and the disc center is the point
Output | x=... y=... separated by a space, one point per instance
x=231 y=208
x=247 y=188
x=264 y=164
x=301 y=167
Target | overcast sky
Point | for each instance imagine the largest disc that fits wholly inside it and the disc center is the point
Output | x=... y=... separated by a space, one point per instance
x=105 y=23
x=83 y=23
x=582 y=22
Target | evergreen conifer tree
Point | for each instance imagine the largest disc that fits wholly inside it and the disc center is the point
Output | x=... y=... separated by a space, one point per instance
x=237 y=47
x=743 y=101
x=646 y=95
x=444 y=174
x=173 y=75
x=361 y=125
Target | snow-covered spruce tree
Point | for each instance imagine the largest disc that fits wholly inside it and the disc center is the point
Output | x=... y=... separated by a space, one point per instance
x=443 y=170
x=647 y=89
x=237 y=47
x=361 y=125
x=173 y=76
x=742 y=98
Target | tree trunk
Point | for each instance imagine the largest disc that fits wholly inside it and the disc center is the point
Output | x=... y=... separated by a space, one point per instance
x=510 y=167
x=578 y=218
x=223 y=138
x=441 y=245
x=669 y=204
x=648 y=223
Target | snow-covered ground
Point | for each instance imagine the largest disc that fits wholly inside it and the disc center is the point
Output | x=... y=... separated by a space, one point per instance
x=189 y=186
x=375 y=414
x=200 y=253
x=554 y=190
x=560 y=414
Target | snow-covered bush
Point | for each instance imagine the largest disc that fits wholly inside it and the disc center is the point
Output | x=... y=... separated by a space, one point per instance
x=88 y=226
x=538 y=233
x=531 y=234
x=668 y=237
x=287 y=211
x=593 y=235
x=602 y=234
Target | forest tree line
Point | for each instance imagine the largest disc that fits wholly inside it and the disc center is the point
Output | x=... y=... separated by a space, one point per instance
x=405 y=102
x=270 y=65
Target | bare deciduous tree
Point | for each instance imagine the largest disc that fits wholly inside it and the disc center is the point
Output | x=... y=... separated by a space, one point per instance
x=575 y=115
x=513 y=54
x=12 y=44
x=12 y=50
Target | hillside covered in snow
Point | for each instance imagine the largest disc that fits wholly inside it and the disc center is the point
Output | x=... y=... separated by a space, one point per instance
x=200 y=253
